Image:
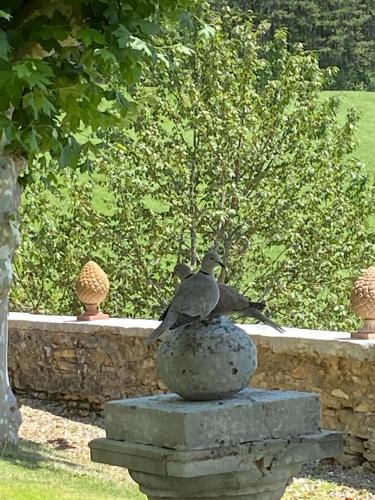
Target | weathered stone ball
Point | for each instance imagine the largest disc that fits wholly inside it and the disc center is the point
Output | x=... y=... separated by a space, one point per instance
x=206 y=361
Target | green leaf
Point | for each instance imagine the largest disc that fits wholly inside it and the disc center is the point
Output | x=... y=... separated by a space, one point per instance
x=69 y=155
x=4 y=121
x=32 y=140
x=136 y=43
x=182 y=49
x=33 y=73
x=149 y=28
x=38 y=102
x=4 y=45
x=107 y=55
x=207 y=32
x=123 y=35
x=155 y=205
x=162 y=57
x=5 y=15
x=53 y=32
x=89 y=35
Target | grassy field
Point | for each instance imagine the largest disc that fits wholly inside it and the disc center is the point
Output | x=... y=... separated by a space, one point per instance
x=364 y=102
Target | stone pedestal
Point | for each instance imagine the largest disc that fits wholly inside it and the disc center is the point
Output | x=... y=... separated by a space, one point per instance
x=245 y=447
x=366 y=332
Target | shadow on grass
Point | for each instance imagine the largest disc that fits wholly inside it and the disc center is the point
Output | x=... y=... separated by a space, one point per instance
x=27 y=454
x=31 y=455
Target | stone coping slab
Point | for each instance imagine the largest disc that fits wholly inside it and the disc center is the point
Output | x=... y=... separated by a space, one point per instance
x=245 y=457
x=253 y=414
x=295 y=339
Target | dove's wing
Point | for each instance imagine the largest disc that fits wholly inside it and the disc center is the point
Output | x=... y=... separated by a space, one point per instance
x=197 y=296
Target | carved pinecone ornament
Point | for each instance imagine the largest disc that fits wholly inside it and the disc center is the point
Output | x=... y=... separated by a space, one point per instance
x=92 y=285
x=363 y=294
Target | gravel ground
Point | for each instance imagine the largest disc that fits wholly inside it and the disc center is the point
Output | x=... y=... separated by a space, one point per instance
x=68 y=432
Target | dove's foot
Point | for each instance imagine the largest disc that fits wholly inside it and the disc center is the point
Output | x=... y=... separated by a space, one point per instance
x=210 y=320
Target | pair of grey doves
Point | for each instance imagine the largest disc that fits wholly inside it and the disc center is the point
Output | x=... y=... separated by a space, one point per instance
x=199 y=297
x=195 y=298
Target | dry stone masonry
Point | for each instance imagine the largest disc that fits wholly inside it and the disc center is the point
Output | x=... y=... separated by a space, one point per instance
x=86 y=364
x=341 y=370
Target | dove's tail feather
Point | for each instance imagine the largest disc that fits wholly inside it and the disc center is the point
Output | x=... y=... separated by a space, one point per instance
x=154 y=335
x=164 y=313
x=184 y=320
x=163 y=327
x=255 y=313
x=258 y=305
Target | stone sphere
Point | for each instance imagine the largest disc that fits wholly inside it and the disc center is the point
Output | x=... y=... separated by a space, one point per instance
x=206 y=361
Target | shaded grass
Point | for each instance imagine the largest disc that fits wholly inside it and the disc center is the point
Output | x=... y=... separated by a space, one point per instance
x=36 y=472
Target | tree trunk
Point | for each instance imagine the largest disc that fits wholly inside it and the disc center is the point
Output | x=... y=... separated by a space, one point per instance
x=10 y=193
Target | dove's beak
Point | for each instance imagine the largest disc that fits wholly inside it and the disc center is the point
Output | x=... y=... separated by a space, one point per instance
x=221 y=264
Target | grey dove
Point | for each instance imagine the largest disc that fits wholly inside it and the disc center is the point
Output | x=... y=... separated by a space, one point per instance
x=194 y=299
x=231 y=301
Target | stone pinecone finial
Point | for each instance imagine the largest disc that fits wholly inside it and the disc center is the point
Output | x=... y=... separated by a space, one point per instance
x=92 y=287
x=363 y=294
x=363 y=303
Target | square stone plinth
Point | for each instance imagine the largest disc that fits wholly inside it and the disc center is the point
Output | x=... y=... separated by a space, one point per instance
x=243 y=448
x=253 y=456
x=168 y=421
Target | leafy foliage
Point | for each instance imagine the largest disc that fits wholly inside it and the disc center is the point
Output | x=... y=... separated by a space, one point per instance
x=341 y=31
x=59 y=64
x=233 y=145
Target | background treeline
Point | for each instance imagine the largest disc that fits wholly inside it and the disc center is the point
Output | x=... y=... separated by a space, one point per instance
x=341 y=31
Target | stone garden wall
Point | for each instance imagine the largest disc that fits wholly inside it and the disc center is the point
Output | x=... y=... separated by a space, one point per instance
x=85 y=364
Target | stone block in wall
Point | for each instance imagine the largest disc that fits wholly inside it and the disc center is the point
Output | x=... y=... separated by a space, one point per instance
x=349 y=460
x=366 y=406
x=358 y=424
x=340 y=394
x=369 y=452
x=354 y=445
x=369 y=456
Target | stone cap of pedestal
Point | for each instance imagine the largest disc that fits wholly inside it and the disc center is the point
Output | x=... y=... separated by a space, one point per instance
x=254 y=414
x=245 y=457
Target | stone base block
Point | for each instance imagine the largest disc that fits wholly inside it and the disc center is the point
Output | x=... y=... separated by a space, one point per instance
x=92 y=317
x=366 y=332
x=245 y=448
x=232 y=486
x=363 y=335
x=172 y=422
x=251 y=471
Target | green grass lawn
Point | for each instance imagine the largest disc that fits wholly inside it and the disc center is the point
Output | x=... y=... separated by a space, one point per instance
x=364 y=102
x=35 y=472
